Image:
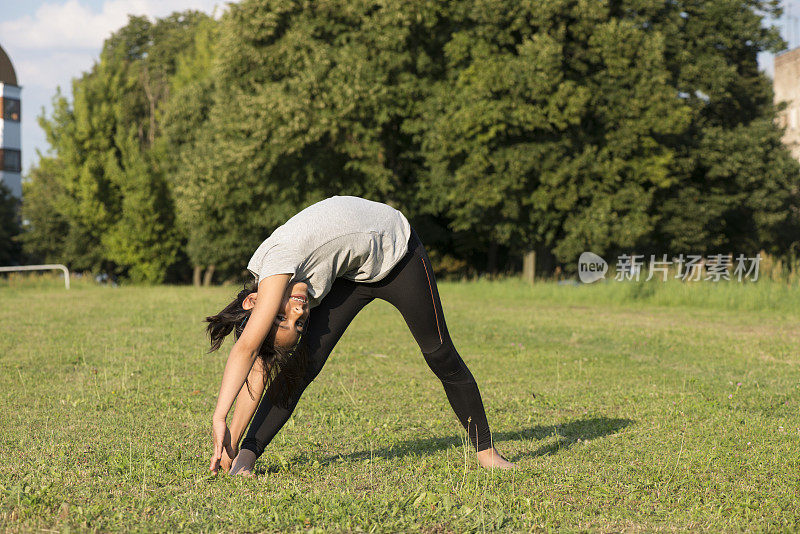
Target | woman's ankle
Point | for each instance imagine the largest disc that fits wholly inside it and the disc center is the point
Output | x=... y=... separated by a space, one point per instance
x=492 y=458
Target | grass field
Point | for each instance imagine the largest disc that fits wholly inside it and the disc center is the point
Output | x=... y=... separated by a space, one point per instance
x=627 y=407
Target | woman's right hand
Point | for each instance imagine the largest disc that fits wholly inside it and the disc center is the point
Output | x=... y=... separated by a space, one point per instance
x=222 y=443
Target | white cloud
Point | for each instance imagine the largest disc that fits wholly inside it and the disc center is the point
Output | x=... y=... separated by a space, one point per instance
x=74 y=25
x=68 y=25
x=52 y=69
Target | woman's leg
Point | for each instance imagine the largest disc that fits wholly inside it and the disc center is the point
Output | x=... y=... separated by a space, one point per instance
x=411 y=288
x=325 y=327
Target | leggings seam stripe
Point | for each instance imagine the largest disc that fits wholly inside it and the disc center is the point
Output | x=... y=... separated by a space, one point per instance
x=433 y=301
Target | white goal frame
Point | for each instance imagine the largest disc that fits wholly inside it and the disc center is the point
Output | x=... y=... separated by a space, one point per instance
x=51 y=267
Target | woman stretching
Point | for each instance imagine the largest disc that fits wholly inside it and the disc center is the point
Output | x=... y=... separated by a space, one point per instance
x=312 y=276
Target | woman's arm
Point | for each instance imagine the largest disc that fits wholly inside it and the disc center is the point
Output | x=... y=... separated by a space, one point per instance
x=243 y=410
x=242 y=356
x=247 y=402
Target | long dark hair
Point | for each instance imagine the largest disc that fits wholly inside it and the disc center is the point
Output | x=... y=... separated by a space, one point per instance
x=284 y=367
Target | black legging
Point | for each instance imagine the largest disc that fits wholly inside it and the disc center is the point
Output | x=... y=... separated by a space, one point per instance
x=411 y=288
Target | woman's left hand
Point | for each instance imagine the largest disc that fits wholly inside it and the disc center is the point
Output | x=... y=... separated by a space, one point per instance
x=222 y=440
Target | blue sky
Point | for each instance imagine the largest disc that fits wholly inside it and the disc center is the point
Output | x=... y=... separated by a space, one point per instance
x=52 y=41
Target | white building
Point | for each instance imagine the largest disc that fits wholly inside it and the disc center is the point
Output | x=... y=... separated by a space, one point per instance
x=10 y=134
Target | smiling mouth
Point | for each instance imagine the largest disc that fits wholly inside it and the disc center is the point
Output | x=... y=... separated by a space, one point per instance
x=299 y=298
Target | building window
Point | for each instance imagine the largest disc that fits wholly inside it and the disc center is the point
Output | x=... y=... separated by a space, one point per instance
x=11 y=160
x=10 y=109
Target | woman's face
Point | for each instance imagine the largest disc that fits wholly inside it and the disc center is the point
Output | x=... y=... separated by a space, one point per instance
x=292 y=315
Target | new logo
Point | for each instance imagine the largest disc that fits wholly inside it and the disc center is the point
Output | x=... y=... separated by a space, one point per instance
x=591 y=267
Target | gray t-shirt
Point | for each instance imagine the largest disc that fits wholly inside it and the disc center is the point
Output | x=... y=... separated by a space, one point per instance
x=341 y=236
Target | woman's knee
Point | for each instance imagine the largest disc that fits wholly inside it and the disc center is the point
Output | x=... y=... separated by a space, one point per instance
x=446 y=363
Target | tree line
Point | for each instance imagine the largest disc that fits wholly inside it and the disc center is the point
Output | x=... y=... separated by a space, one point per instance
x=499 y=127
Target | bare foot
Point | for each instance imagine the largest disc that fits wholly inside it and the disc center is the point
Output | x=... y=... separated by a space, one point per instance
x=492 y=458
x=243 y=463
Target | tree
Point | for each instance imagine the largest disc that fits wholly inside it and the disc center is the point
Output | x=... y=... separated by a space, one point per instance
x=550 y=130
x=9 y=227
x=183 y=147
x=736 y=188
x=498 y=127
x=113 y=195
x=46 y=230
x=577 y=126
x=308 y=103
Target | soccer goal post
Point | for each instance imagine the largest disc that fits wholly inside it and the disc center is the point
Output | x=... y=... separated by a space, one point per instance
x=55 y=266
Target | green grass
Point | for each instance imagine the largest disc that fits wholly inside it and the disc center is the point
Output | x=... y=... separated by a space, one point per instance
x=627 y=408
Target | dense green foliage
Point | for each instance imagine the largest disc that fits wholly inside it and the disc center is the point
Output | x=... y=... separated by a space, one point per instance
x=9 y=227
x=102 y=181
x=560 y=126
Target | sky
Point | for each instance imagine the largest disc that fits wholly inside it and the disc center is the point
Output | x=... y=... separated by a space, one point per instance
x=52 y=41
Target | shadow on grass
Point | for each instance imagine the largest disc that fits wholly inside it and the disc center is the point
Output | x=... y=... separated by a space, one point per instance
x=568 y=434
